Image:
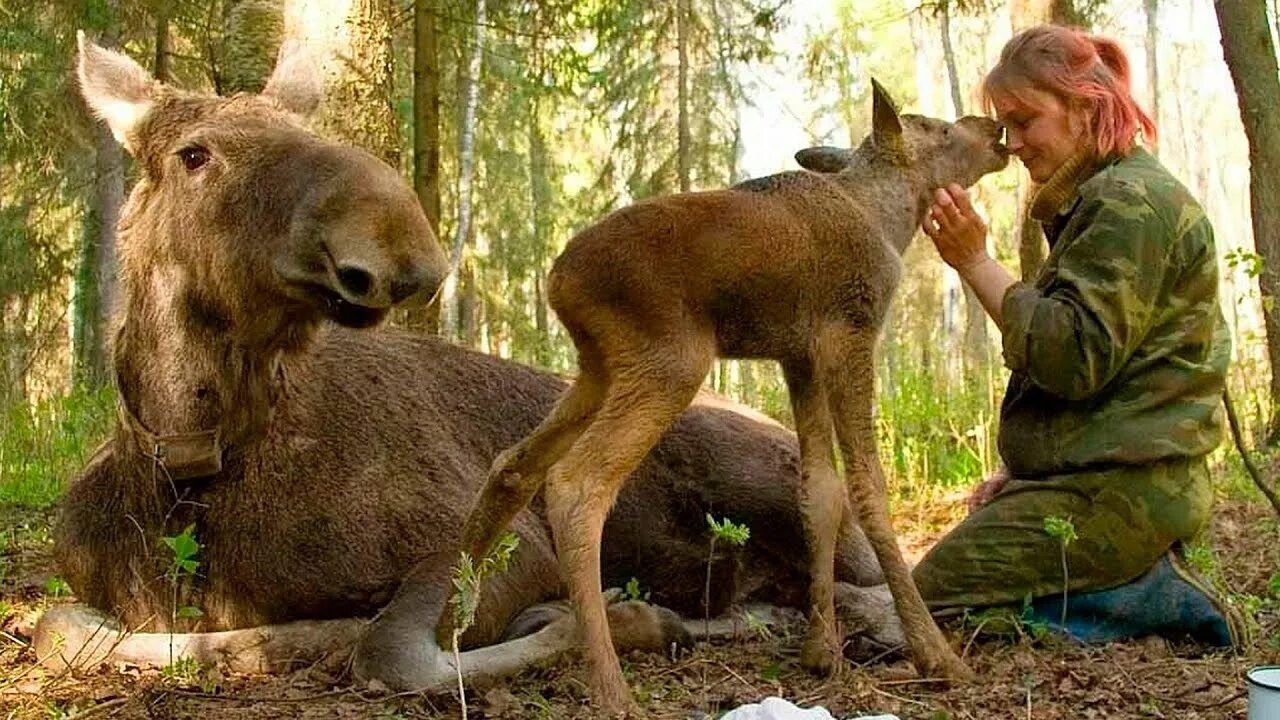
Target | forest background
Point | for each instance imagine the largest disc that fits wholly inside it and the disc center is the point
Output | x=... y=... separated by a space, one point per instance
x=520 y=122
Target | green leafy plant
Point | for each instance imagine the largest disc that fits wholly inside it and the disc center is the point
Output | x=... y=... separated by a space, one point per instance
x=56 y=587
x=633 y=591
x=1064 y=532
x=467 y=578
x=183 y=672
x=183 y=548
x=724 y=531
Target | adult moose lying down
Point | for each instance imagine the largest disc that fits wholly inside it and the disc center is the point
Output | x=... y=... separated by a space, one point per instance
x=327 y=468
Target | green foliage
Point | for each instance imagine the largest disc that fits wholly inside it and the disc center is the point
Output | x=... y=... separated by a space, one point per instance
x=184 y=549
x=55 y=586
x=933 y=434
x=1200 y=557
x=633 y=591
x=1064 y=531
x=1061 y=529
x=42 y=445
x=183 y=672
x=1248 y=262
x=728 y=531
x=467 y=577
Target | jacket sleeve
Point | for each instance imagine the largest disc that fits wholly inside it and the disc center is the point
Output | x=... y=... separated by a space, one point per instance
x=1074 y=335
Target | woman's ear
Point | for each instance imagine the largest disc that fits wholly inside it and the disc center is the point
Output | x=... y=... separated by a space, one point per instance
x=1080 y=114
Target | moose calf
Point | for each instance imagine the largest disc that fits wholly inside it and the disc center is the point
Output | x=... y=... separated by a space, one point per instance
x=798 y=267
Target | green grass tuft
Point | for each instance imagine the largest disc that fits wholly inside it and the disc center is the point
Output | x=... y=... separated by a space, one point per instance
x=43 y=445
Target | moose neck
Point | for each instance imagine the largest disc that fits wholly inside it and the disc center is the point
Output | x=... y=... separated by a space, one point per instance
x=180 y=367
x=894 y=198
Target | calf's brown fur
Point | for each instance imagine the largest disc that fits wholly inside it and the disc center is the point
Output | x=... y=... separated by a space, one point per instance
x=327 y=469
x=797 y=267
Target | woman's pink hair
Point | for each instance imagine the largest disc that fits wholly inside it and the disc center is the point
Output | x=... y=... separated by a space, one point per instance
x=1074 y=67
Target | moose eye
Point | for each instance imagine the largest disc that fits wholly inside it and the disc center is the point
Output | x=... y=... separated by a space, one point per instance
x=193 y=157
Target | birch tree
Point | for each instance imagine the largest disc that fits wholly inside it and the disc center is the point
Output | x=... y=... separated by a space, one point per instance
x=1250 y=55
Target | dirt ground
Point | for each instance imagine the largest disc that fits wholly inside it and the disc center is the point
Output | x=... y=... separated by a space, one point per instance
x=1021 y=676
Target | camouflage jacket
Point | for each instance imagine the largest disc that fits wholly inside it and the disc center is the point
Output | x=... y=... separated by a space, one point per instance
x=1118 y=349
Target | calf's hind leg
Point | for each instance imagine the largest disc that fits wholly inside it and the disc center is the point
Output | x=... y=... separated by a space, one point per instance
x=651 y=383
x=519 y=471
x=848 y=356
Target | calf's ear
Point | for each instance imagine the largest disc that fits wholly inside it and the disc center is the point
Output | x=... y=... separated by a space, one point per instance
x=824 y=158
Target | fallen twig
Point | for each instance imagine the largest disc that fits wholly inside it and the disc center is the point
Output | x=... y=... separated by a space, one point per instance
x=89 y=712
x=1249 y=466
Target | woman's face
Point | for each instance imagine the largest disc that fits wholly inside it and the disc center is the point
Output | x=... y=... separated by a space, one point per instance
x=1042 y=131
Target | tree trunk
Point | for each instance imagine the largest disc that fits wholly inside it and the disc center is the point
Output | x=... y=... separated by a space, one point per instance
x=1064 y=12
x=360 y=101
x=425 y=317
x=1251 y=58
x=975 y=317
x=99 y=250
x=540 y=202
x=1032 y=248
x=684 y=141
x=470 y=91
x=164 y=45
x=1152 y=8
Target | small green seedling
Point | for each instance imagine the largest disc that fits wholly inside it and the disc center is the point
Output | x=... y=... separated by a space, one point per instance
x=632 y=591
x=467 y=577
x=184 y=549
x=56 y=587
x=1064 y=532
x=727 y=531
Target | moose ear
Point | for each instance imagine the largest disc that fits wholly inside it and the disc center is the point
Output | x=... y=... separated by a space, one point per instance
x=824 y=158
x=296 y=82
x=116 y=88
x=886 y=127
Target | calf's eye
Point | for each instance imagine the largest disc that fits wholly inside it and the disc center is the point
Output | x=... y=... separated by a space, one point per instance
x=193 y=157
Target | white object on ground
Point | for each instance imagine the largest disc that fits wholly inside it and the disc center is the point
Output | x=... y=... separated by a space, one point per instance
x=776 y=708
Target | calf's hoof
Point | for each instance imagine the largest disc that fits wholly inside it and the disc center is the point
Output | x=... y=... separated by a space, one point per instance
x=945 y=665
x=638 y=625
x=819 y=654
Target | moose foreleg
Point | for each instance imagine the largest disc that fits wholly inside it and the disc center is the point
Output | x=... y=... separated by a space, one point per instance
x=822 y=504
x=848 y=368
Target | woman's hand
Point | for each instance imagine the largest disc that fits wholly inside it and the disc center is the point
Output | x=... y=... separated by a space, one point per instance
x=988 y=489
x=956 y=230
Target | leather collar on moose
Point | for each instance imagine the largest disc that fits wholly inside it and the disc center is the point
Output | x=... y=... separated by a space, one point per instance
x=183 y=456
x=188 y=455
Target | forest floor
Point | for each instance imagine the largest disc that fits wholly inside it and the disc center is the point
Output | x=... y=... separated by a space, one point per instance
x=1021 y=675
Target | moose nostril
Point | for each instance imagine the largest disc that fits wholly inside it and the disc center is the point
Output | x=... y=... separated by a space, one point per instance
x=403 y=288
x=355 y=280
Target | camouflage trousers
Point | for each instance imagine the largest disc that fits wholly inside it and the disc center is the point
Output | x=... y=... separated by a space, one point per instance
x=1125 y=519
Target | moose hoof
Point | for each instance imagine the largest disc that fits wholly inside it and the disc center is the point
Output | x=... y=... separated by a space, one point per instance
x=637 y=625
x=402 y=659
x=74 y=636
x=819 y=654
x=948 y=667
